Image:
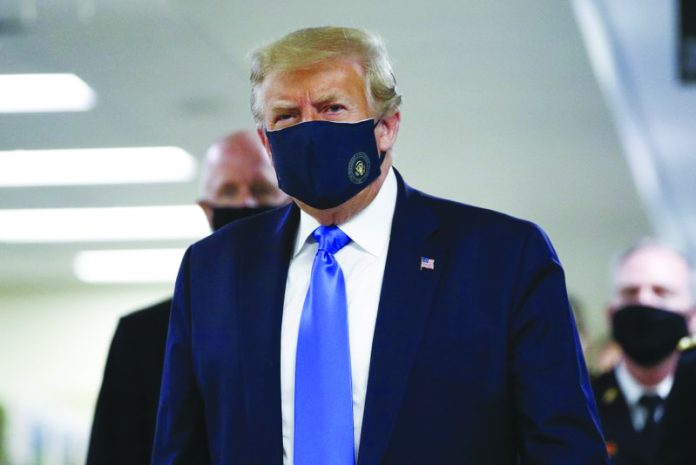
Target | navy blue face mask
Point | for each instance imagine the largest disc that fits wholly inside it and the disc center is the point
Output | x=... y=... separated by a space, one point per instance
x=325 y=163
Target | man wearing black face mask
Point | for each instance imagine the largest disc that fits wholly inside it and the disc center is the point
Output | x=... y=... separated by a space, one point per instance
x=650 y=312
x=237 y=181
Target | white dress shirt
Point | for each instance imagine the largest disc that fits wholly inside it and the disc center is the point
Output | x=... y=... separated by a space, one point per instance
x=362 y=262
x=633 y=391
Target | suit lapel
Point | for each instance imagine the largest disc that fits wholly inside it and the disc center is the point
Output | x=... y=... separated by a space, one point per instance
x=261 y=289
x=406 y=297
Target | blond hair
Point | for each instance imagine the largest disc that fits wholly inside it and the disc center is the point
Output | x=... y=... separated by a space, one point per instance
x=307 y=47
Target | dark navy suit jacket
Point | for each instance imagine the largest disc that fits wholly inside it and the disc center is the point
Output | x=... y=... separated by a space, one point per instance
x=475 y=362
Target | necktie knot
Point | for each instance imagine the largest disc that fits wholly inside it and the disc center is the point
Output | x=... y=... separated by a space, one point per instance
x=650 y=402
x=330 y=238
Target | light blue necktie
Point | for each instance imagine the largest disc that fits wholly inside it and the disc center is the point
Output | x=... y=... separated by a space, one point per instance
x=323 y=390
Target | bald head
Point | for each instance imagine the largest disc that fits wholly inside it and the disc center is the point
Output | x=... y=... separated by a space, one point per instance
x=655 y=275
x=238 y=173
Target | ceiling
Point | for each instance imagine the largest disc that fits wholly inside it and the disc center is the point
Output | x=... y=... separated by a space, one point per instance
x=633 y=47
x=501 y=109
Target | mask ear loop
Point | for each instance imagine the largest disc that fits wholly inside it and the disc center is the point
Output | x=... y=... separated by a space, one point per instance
x=383 y=154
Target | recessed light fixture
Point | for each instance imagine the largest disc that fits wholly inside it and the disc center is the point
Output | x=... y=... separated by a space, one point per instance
x=128 y=266
x=185 y=222
x=41 y=93
x=126 y=165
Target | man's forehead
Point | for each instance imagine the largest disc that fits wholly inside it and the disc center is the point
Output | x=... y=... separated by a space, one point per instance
x=240 y=169
x=654 y=257
x=653 y=264
x=338 y=65
x=328 y=79
x=237 y=169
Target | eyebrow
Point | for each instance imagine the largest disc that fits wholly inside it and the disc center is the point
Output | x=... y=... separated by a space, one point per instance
x=283 y=106
x=321 y=99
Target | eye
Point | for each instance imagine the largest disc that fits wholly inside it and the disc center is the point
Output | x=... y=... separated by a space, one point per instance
x=261 y=191
x=630 y=292
x=662 y=291
x=282 y=117
x=228 y=191
x=334 y=108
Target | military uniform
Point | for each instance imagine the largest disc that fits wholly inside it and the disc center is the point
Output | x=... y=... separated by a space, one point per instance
x=678 y=445
x=625 y=445
x=674 y=440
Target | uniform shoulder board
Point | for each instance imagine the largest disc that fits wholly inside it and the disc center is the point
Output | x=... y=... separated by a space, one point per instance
x=687 y=343
x=610 y=395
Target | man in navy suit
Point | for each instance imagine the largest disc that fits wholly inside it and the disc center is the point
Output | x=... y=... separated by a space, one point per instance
x=460 y=339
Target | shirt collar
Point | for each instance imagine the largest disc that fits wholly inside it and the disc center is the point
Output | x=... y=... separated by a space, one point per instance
x=369 y=228
x=633 y=390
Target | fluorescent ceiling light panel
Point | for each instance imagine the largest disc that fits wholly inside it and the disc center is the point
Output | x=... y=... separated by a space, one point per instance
x=41 y=93
x=102 y=224
x=128 y=266
x=65 y=167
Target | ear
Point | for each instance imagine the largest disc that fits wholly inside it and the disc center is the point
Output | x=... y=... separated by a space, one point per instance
x=387 y=130
x=691 y=319
x=264 y=141
x=208 y=210
x=609 y=313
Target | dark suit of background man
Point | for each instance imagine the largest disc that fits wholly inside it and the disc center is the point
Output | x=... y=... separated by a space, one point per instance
x=651 y=307
x=237 y=180
x=462 y=343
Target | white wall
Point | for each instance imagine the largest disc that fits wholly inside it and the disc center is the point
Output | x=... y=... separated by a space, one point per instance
x=53 y=346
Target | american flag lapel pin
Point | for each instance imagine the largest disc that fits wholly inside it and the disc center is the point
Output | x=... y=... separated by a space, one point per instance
x=427 y=263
